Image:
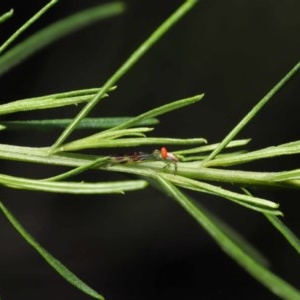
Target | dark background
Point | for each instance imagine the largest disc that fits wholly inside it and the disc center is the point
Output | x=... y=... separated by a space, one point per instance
x=143 y=245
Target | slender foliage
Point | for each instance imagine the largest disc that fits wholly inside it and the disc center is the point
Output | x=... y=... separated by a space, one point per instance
x=199 y=168
x=52 y=261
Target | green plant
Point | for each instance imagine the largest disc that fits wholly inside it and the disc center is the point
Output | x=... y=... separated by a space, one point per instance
x=198 y=169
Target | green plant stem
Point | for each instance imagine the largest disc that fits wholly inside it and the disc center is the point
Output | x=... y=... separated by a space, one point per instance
x=137 y=54
x=190 y=170
x=253 y=112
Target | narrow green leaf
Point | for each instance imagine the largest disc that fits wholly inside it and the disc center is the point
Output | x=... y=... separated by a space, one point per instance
x=203 y=156
x=71 y=187
x=211 y=147
x=87 y=123
x=79 y=170
x=269 y=152
x=274 y=283
x=129 y=142
x=50 y=101
x=159 y=111
x=111 y=135
x=51 y=260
